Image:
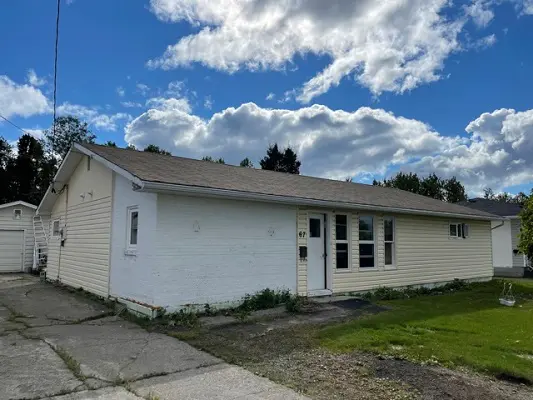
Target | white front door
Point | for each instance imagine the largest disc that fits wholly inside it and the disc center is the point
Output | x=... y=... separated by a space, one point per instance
x=316 y=258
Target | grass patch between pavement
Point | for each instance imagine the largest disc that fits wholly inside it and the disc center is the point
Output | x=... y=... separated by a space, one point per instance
x=465 y=328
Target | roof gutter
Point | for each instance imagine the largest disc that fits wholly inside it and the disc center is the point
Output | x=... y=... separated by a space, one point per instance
x=234 y=194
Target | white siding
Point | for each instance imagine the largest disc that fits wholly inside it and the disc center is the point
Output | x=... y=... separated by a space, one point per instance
x=132 y=275
x=518 y=259
x=84 y=259
x=24 y=224
x=424 y=254
x=502 y=244
x=303 y=232
x=215 y=251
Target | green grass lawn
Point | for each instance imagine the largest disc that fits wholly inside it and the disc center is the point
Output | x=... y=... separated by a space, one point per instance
x=466 y=328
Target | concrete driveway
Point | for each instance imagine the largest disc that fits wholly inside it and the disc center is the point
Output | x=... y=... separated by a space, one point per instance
x=58 y=345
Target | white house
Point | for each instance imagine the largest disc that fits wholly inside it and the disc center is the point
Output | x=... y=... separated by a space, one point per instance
x=16 y=236
x=507 y=260
x=169 y=231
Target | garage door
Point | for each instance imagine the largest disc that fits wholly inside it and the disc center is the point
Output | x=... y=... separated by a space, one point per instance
x=11 y=249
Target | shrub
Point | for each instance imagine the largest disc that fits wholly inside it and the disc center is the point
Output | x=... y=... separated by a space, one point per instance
x=183 y=317
x=386 y=293
x=265 y=299
x=294 y=304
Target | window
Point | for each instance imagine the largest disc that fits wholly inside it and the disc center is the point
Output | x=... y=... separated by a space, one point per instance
x=17 y=213
x=341 y=241
x=390 y=253
x=366 y=242
x=314 y=227
x=56 y=231
x=459 y=231
x=133 y=227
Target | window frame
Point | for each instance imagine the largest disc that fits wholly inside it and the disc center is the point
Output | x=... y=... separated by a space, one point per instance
x=462 y=230
x=372 y=242
x=392 y=242
x=344 y=241
x=131 y=248
x=58 y=233
x=15 y=214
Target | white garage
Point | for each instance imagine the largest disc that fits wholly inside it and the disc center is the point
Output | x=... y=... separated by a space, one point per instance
x=16 y=236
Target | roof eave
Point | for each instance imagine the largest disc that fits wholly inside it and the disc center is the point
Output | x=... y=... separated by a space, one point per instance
x=225 y=193
x=18 y=203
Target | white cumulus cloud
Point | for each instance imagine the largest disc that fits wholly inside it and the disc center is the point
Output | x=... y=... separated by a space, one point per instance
x=33 y=79
x=21 y=99
x=497 y=150
x=93 y=117
x=393 y=45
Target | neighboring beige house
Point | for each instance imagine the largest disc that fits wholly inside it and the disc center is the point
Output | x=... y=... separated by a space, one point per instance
x=507 y=260
x=16 y=236
x=168 y=231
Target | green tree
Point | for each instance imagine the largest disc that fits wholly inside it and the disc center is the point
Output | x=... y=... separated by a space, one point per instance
x=450 y=190
x=409 y=182
x=214 y=160
x=282 y=161
x=432 y=186
x=31 y=171
x=110 y=143
x=454 y=191
x=152 y=148
x=505 y=197
x=525 y=244
x=247 y=163
x=5 y=182
x=68 y=130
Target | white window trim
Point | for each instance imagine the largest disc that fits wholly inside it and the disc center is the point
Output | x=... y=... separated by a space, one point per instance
x=58 y=228
x=15 y=214
x=347 y=242
x=394 y=261
x=373 y=242
x=459 y=227
x=131 y=249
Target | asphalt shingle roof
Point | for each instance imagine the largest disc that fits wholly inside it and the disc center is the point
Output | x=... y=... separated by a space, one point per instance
x=153 y=167
x=492 y=206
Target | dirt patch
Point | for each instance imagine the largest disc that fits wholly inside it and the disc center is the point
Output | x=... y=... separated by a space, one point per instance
x=291 y=356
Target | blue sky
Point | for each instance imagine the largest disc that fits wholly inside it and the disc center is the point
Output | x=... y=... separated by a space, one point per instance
x=357 y=88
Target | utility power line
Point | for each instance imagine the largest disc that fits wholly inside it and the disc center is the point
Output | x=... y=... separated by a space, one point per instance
x=55 y=65
x=15 y=125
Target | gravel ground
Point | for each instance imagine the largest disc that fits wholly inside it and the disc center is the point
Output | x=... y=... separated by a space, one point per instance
x=292 y=357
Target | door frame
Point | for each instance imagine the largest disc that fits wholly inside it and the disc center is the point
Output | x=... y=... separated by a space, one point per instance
x=328 y=271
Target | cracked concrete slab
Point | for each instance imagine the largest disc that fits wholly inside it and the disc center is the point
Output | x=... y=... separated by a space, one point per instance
x=30 y=368
x=115 y=393
x=44 y=304
x=219 y=382
x=39 y=321
x=122 y=351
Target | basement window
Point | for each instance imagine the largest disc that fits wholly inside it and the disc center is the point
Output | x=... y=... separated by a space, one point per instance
x=133 y=228
x=17 y=213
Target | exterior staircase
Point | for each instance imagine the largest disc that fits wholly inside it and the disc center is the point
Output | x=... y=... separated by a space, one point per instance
x=40 y=251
